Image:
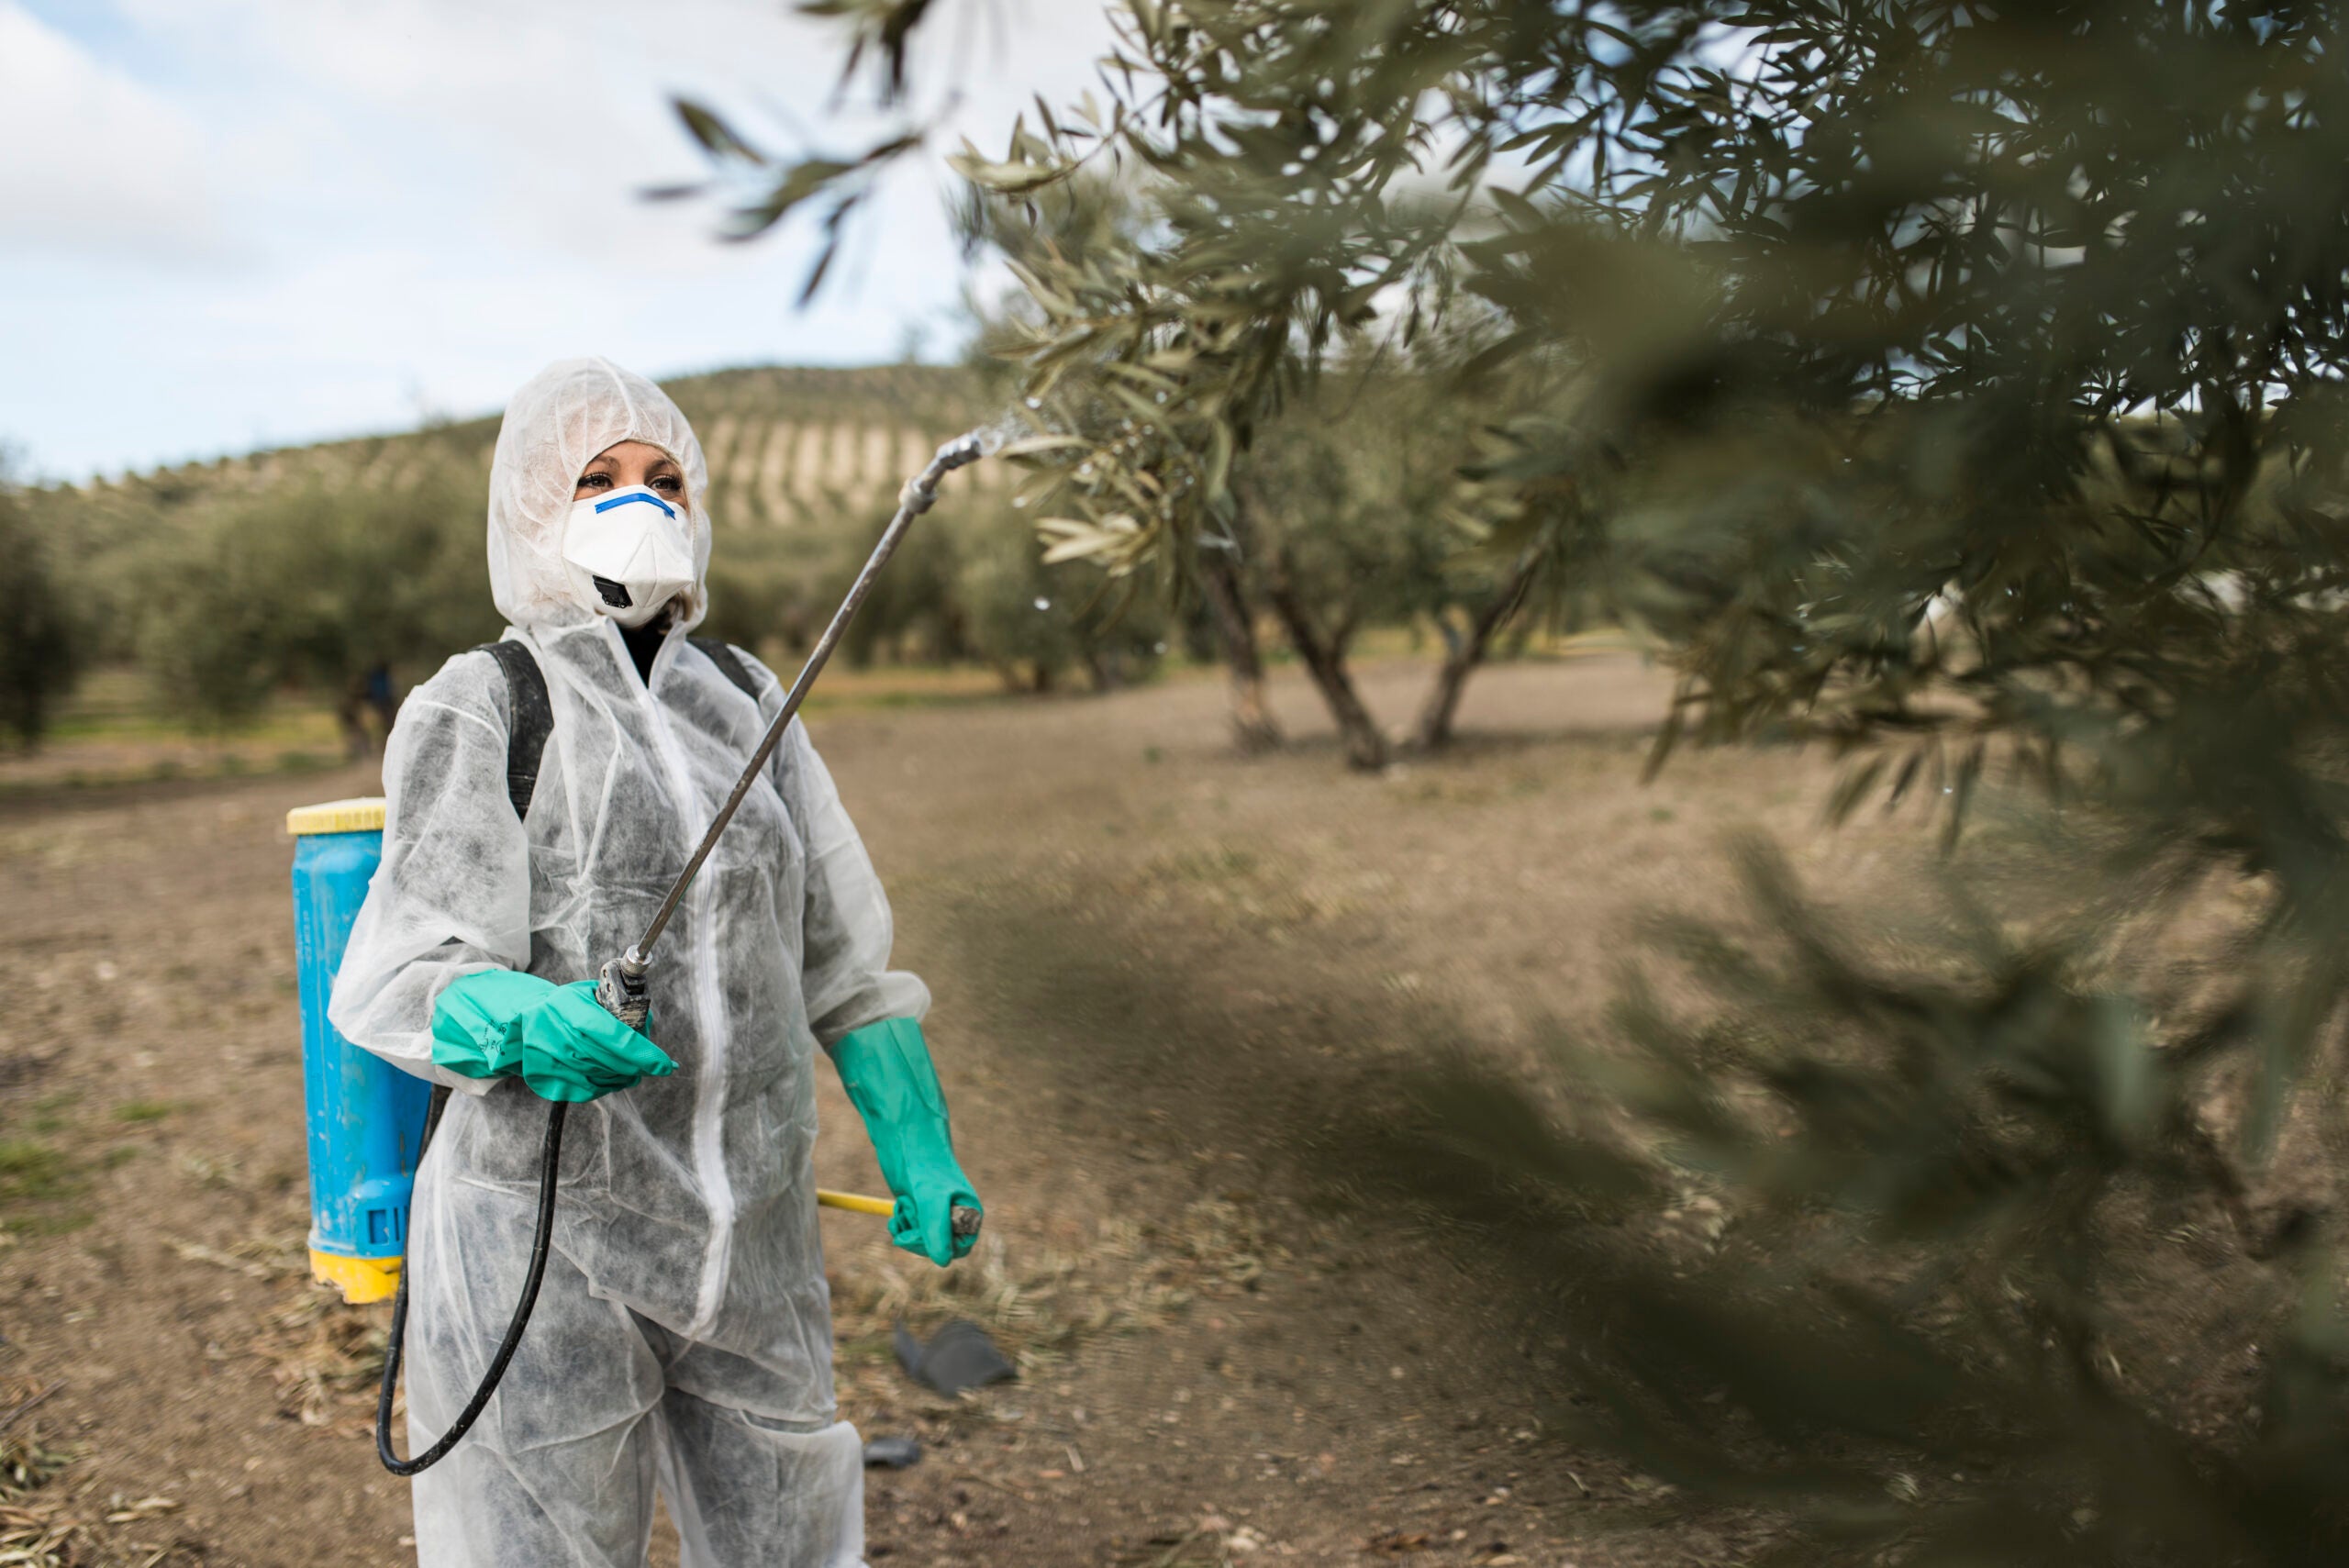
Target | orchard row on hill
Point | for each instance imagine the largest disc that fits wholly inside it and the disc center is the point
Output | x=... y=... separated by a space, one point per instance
x=800 y=447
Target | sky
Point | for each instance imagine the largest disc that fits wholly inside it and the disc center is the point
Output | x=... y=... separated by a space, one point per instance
x=234 y=224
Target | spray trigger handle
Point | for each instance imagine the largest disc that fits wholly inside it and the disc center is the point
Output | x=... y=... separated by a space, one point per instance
x=621 y=991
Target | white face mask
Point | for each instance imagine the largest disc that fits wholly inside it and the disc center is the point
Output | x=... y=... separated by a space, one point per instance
x=629 y=552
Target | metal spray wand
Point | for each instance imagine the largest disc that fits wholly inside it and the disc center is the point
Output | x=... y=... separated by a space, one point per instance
x=620 y=985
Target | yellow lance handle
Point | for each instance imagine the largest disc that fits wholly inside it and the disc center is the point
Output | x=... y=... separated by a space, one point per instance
x=966 y=1220
x=855 y=1203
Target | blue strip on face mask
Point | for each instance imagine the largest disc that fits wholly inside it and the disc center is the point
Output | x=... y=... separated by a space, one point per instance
x=649 y=500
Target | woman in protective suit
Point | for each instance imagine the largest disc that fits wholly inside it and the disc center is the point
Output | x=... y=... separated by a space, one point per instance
x=683 y=1336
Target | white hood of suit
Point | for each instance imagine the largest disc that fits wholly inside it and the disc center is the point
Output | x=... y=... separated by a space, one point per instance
x=554 y=428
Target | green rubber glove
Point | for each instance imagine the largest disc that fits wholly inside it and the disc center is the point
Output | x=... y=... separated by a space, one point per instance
x=886 y=1070
x=499 y=1023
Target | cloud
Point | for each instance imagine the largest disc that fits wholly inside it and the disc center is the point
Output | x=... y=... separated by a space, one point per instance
x=96 y=161
x=430 y=198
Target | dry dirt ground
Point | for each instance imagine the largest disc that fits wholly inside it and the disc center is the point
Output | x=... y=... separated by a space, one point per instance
x=1146 y=951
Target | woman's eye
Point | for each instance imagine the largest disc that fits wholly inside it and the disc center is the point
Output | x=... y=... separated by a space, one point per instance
x=669 y=484
x=594 y=482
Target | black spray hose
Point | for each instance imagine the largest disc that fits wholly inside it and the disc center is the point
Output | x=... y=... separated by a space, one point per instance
x=539 y=1248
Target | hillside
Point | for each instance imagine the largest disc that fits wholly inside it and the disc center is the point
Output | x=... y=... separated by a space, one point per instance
x=788 y=447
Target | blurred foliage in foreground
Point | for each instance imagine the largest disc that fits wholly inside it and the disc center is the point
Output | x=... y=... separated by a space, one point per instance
x=1956 y=1266
x=1959 y=382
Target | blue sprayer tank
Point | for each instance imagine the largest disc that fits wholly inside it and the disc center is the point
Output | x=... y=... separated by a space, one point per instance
x=366 y=1116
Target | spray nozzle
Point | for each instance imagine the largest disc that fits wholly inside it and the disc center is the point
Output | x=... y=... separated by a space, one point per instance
x=963 y=450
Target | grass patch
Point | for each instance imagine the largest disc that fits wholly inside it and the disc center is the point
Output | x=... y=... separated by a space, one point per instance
x=1219 y=863
x=143 y=1110
x=820 y=702
x=32 y=1172
x=170 y=771
x=56 y=1222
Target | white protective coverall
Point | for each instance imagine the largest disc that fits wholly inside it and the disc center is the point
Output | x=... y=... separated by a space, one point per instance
x=682 y=1337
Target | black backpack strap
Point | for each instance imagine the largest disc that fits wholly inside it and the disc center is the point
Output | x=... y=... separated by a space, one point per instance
x=729 y=663
x=533 y=722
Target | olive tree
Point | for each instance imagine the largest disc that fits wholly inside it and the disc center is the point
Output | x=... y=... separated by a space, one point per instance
x=1959 y=384
x=333 y=587
x=41 y=642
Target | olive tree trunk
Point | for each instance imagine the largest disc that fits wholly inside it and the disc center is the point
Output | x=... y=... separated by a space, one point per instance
x=1324 y=654
x=1253 y=728
x=1464 y=655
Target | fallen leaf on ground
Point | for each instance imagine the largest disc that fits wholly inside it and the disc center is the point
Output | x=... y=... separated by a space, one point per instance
x=1394 y=1540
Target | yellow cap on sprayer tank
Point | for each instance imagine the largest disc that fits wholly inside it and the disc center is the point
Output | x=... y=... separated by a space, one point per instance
x=360 y=1280
x=361 y=813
